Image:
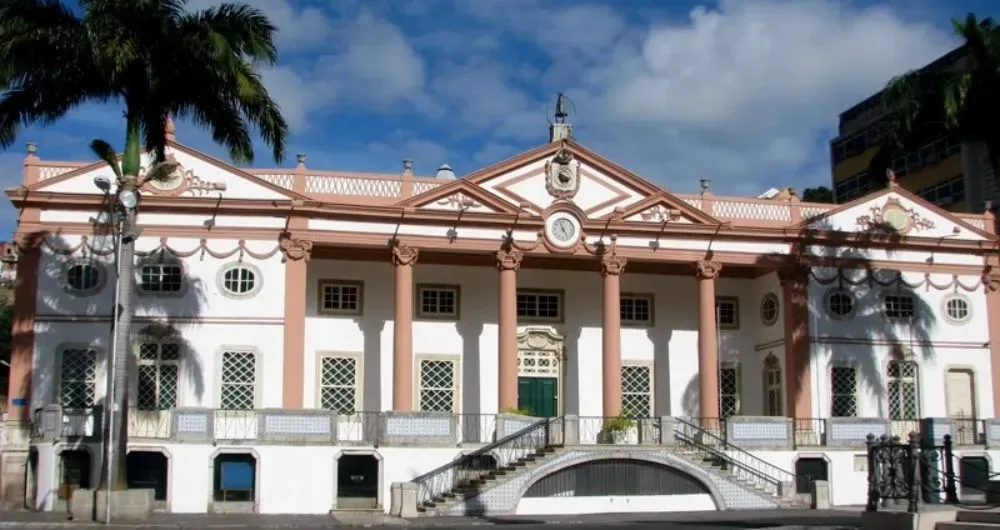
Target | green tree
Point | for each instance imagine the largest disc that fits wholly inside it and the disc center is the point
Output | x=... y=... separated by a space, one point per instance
x=961 y=102
x=819 y=194
x=157 y=60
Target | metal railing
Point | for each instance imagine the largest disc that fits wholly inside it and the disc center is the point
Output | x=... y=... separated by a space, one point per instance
x=470 y=469
x=618 y=430
x=736 y=462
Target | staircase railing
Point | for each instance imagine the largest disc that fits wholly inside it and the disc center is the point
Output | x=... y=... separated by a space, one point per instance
x=501 y=454
x=738 y=463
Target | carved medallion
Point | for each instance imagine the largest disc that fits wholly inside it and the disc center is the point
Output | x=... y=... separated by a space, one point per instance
x=893 y=217
x=562 y=175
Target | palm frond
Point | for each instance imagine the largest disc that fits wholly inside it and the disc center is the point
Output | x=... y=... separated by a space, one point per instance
x=105 y=152
x=160 y=172
x=237 y=27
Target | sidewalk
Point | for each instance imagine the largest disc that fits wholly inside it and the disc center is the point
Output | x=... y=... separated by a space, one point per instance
x=847 y=518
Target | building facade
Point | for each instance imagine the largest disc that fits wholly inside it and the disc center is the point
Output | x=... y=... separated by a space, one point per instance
x=307 y=341
x=952 y=174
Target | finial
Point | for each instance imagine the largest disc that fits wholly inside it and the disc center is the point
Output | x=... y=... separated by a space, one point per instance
x=170 y=130
x=988 y=206
x=561 y=113
x=445 y=172
x=32 y=147
x=300 y=159
x=407 y=165
x=890 y=175
x=706 y=185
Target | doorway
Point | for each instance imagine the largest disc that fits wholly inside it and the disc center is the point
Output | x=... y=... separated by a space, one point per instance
x=357 y=482
x=539 y=373
x=537 y=396
x=960 y=403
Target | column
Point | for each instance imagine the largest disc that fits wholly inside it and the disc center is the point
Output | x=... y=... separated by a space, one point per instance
x=403 y=259
x=23 y=331
x=708 y=347
x=612 y=266
x=795 y=305
x=991 y=283
x=508 y=262
x=297 y=253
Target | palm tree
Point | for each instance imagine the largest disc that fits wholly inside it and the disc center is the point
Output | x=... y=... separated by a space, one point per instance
x=158 y=60
x=959 y=101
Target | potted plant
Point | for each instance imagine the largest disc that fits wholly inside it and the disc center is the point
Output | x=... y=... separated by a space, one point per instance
x=614 y=429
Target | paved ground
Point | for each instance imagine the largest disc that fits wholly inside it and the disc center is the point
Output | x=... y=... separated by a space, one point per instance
x=729 y=520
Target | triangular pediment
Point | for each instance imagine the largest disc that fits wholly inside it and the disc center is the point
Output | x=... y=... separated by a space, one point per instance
x=664 y=207
x=896 y=211
x=597 y=186
x=197 y=175
x=460 y=195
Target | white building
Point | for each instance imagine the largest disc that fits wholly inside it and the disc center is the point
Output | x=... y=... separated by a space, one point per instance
x=305 y=339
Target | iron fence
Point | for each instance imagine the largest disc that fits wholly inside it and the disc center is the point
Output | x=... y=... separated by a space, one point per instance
x=909 y=471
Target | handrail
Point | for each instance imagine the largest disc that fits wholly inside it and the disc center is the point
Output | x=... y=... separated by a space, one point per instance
x=469 y=467
x=769 y=477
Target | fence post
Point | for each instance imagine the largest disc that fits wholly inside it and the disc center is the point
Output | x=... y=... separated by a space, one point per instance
x=913 y=470
x=950 y=490
x=872 y=475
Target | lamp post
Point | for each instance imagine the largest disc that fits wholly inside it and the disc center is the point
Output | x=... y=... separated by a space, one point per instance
x=120 y=219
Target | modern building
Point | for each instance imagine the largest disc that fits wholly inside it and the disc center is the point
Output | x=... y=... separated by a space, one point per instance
x=952 y=174
x=307 y=341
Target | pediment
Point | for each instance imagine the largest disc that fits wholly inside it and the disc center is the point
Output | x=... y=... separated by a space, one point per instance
x=197 y=175
x=896 y=211
x=662 y=208
x=594 y=184
x=460 y=195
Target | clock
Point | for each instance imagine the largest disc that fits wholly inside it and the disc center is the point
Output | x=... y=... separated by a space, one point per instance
x=562 y=229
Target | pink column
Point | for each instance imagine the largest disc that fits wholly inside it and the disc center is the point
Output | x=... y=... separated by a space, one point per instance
x=508 y=262
x=612 y=266
x=708 y=347
x=403 y=258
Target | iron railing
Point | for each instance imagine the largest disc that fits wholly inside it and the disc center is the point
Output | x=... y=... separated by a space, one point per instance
x=470 y=470
x=909 y=471
x=618 y=430
x=736 y=462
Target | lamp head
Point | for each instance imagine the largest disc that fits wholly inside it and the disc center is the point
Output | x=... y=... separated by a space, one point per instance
x=129 y=199
x=102 y=183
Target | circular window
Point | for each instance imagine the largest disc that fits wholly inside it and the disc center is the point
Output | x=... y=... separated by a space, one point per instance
x=769 y=309
x=956 y=309
x=84 y=277
x=240 y=280
x=840 y=303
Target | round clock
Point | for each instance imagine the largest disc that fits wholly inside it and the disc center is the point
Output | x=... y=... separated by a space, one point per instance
x=562 y=229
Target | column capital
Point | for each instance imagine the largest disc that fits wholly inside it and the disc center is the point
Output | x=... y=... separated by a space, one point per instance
x=403 y=254
x=991 y=281
x=708 y=270
x=296 y=249
x=612 y=264
x=509 y=259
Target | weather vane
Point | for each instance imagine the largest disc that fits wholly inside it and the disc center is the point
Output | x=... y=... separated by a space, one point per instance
x=561 y=110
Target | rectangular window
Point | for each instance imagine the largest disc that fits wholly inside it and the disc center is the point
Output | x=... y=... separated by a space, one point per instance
x=159 y=364
x=729 y=391
x=77 y=378
x=438 y=388
x=852 y=187
x=539 y=305
x=843 y=392
x=899 y=306
x=340 y=297
x=727 y=310
x=160 y=278
x=238 y=389
x=637 y=391
x=637 y=309
x=945 y=193
x=437 y=301
x=338 y=384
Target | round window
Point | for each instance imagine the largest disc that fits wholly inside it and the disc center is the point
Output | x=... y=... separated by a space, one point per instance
x=956 y=309
x=769 y=309
x=240 y=280
x=83 y=277
x=840 y=303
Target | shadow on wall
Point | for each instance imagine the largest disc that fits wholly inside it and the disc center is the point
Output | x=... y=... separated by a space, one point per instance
x=79 y=319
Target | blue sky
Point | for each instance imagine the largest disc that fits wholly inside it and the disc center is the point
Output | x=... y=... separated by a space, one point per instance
x=745 y=93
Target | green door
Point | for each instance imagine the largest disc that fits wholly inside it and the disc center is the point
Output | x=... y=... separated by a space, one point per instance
x=537 y=395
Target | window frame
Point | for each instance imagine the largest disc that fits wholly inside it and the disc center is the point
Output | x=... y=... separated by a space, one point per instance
x=773 y=364
x=855 y=394
x=418 y=301
x=649 y=298
x=735 y=301
x=321 y=286
x=161 y=262
x=772 y=298
x=159 y=362
x=968 y=309
x=561 y=296
x=220 y=369
x=828 y=297
x=456 y=375
x=651 y=379
x=734 y=366
x=884 y=300
x=359 y=379
x=99 y=372
x=221 y=280
x=97 y=265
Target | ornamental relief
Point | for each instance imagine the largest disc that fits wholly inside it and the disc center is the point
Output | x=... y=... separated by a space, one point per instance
x=562 y=175
x=179 y=181
x=460 y=201
x=893 y=217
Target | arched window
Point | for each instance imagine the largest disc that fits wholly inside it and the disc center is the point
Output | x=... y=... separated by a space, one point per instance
x=772 y=386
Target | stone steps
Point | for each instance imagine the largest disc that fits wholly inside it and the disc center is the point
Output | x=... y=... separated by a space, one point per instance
x=972 y=520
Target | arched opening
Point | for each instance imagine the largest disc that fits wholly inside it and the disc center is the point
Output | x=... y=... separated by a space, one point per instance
x=74 y=472
x=357 y=481
x=616 y=485
x=809 y=470
x=234 y=482
x=149 y=470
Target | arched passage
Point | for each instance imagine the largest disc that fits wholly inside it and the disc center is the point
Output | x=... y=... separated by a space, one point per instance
x=616 y=485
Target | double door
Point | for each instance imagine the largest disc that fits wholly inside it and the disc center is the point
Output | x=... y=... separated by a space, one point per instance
x=538 y=396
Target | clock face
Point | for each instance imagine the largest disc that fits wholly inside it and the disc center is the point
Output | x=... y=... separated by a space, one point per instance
x=563 y=229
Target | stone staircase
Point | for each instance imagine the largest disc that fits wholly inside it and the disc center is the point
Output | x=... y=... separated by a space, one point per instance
x=488 y=479
x=972 y=520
